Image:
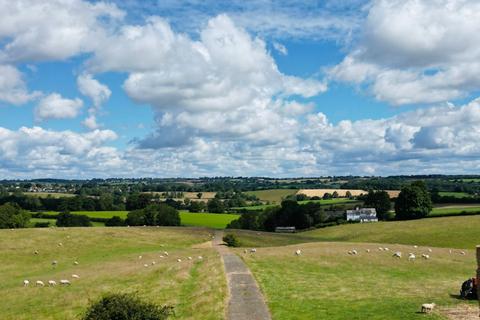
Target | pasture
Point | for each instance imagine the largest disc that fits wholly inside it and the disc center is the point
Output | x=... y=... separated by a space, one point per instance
x=448 y=232
x=272 y=195
x=455 y=194
x=453 y=210
x=49 y=194
x=324 y=282
x=109 y=262
x=210 y=220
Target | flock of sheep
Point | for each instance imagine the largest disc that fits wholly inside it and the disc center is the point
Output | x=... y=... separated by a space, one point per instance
x=164 y=255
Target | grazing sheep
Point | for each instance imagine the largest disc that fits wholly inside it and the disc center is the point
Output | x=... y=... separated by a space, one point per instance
x=189 y=258
x=39 y=283
x=161 y=256
x=60 y=244
x=200 y=257
x=75 y=263
x=145 y=265
x=429 y=250
x=35 y=252
x=462 y=253
x=354 y=252
x=54 y=263
x=415 y=246
x=26 y=283
x=75 y=276
x=153 y=263
x=165 y=253
x=367 y=251
x=450 y=251
x=245 y=251
x=425 y=256
x=52 y=283
x=380 y=248
x=386 y=249
x=253 y=250
x=65 y=282
x=397 y=254
x=179 y=260
x=411 y=257
x=140 y=257
x=298 y=252
x=427 y=307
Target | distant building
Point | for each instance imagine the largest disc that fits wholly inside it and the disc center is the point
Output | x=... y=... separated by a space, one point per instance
x=362 y=215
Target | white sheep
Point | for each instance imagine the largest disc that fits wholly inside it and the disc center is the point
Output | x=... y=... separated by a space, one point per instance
x=462 y=253
x=39 y=283
x=298 y=252
x=145 y=265
x=253 y=250
x=200 y=257
x=189 y=258
x=60 y=244
x=75 y=263
x=35 y=252
x=179 y=260
x=65 y=282
x=450 y=251
x=411 y=257
x=397 y=254
x=54 y=263
x=367 y=251
x=52 y=283
x=26 y=283
x=427 y=307
x=161 y=256
x=153 y=263
x=386 y=249
x=165 y=253
x=354 y=252
x=245 y=251
x=425 y=256
x=415 y=246
x=75 y=276
x=429 y=250
x=140 y=257
x=380 y=248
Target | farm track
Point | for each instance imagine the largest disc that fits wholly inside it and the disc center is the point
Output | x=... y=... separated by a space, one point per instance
x=246 y=301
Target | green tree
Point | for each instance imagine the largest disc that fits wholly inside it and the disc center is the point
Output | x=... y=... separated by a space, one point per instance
x=115 y=221
x=66 y=219
x=215 y=206
x=413 y=202
x=12 y=216
x=380 y=200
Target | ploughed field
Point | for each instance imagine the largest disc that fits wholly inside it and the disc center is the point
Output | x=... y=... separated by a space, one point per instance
x=108 y=261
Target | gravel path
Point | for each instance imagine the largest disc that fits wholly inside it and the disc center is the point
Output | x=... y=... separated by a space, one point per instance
x=246 y=302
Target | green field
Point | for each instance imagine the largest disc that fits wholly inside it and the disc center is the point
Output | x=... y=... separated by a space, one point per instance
x=49 y=194
x=210 y=220
x=108 y=262
x=454 y=210
x=449 y=232
x=272 y=195
x=327 y=283
x=455 y=194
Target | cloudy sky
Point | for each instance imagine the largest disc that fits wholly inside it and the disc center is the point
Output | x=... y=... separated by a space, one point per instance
x=192 y=88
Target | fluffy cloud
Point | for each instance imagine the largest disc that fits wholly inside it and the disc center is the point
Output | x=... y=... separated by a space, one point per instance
x=51 y=30
x=224 y=84
x=97 y=92
x=54 y=106
x=12 y=87
x=417 y=51
x=39 y=152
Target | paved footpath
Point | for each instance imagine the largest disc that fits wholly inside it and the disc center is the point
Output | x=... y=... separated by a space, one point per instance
x=246 y=302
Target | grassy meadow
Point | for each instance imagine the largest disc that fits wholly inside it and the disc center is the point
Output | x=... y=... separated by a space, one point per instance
x=109 y=262
x=452 y=210
x=210 y=220
x=448 y=232
x=272 y=195
x=327 y=283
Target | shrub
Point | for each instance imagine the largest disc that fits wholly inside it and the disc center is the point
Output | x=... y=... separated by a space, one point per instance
x=12 y=216
x=231 y=240
x=115 y=221
x=66 y=219
x=154 y=215
x=126 y=307
x=42 y=224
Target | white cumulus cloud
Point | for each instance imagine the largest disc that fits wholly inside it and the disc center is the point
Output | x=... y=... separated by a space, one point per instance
x=54 y=106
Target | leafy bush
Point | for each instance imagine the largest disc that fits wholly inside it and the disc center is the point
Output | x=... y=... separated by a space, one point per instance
x=154 y=215
x=115 y=221
x=42 y=224
x=66 y=219
x=231 y=240
x=126 y=307
x=12 y=216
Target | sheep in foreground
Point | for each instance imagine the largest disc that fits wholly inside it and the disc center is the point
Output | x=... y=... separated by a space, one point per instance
x=411 y=257
x=189 y=258
x=427 y=307
x=75 y=263
x=397 y=254
x=65 y=282
x=179 y=260
x=26 y=283
x=425 y=256
x=298 y=252
x=39 y=283
x=253 y=250
x=75 y=276
x=52 y=283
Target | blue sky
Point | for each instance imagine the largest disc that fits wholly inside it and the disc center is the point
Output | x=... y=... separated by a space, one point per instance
x=270 y=88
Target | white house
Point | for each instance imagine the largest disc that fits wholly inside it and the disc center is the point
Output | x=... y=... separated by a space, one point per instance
x=362 y=215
